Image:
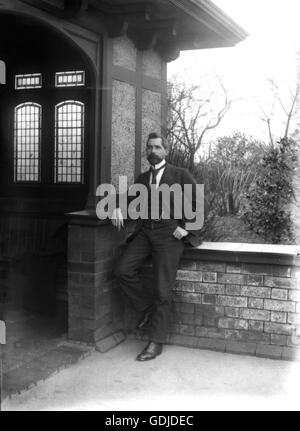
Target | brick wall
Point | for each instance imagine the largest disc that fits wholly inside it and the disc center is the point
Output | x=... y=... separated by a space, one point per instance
x=95 y=308
x=241 y=307
x=226 y=301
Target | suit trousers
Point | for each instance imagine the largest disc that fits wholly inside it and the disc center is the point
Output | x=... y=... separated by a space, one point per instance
x=154 y=239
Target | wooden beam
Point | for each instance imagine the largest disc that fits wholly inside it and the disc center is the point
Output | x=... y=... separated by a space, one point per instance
x=69 y=9
x=163 y=28
x=168 y=52
x=108 y=7
x=157 y=24
x=167 y=34
x=147 y=35
x=144 y=39
x=47 y=7
x=75 y=8
x=116 y=26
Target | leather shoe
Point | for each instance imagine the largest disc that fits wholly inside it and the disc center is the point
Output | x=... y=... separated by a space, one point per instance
x=145 y=319
x=152 y=350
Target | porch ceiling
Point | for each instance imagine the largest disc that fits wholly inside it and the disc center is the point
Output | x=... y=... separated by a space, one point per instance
x=166 y=25
x=191 y=24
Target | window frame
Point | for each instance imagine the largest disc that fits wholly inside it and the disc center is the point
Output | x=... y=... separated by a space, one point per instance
x=15 y=135
x=57 y=107
x=29 y=76
x=48 y=97
x=69 y=74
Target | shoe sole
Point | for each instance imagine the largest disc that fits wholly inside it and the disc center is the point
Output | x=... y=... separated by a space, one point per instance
x=148 y=359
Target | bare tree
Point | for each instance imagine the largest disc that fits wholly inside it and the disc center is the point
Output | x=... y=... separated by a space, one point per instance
x=290 y=110
x=286 y=99
x=267 y=117
x=192 y=114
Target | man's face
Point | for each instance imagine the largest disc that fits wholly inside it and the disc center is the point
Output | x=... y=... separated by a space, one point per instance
x=155 y=151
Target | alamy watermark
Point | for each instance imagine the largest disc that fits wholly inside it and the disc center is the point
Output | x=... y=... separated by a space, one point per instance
x=164 y=202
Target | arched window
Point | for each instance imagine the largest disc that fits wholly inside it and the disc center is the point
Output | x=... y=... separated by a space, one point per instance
x=27 y=142
x=69 y=142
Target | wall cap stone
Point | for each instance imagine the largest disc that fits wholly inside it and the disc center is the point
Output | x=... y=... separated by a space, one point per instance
x=245 y=247
x=276 y=254
x=87 y=216
x=245 y=253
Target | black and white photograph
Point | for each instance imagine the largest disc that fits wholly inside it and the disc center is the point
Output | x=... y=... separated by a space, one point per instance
x=149 y=208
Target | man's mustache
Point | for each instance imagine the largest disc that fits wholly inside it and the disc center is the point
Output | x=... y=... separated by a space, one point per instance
x=154 y=158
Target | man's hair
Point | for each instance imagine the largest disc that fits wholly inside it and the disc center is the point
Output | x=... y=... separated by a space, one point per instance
x=155 y=135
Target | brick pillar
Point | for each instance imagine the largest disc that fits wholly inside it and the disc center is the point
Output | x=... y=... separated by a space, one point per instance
x=95 y=309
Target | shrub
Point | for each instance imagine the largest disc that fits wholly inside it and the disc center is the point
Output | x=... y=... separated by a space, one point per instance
x=266 y=206
x=229 y=171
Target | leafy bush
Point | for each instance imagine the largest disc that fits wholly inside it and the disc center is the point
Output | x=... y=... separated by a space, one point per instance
x=266 y=206
x=244 y=177
x=229 y=171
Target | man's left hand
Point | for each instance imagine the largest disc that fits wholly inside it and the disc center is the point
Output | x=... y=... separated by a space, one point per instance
x=180 y=233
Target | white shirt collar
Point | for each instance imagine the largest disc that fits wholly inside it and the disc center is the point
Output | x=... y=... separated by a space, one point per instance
x=159 y=165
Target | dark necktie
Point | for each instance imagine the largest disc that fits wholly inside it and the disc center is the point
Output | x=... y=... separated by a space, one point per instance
x=153 y=182
x=155 y=172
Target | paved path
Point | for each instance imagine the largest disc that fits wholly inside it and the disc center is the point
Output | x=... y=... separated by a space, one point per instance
x=179 y=379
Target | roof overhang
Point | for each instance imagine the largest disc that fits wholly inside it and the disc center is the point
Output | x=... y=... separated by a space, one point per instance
x=172 y=25
x=212 y=27
x=166 y=25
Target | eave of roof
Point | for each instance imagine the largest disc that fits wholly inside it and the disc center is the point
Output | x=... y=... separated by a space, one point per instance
x=216 y=19
x=166 y=25
x=196 y=23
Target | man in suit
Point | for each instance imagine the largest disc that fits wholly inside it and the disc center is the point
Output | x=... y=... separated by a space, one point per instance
x=163 y=240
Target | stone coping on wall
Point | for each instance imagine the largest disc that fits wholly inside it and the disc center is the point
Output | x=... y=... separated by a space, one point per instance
x=218 y=251
x=87 y=216
x=246 y=248
x=244 y=252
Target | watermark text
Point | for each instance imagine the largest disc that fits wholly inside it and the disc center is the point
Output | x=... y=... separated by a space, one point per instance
x=153 y=202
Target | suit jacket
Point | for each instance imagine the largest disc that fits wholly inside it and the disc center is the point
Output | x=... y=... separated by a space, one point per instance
x=172 y=175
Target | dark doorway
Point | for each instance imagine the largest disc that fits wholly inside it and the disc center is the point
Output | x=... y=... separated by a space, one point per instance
x=44 y=149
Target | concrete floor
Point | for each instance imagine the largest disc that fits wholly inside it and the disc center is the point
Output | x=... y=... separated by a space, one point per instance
x=180 y=379
x=37 y=347
x=29 y=335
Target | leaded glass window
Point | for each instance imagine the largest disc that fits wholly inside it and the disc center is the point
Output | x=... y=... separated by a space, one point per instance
x=33 y=80
x=70 y=79
x=69 y=142
x=27 y=139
